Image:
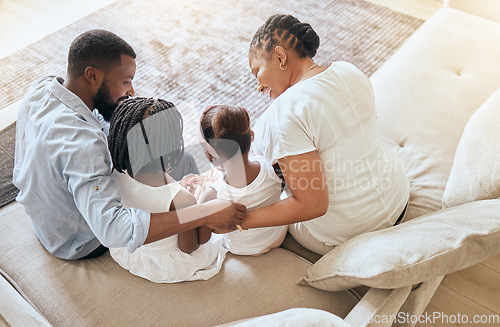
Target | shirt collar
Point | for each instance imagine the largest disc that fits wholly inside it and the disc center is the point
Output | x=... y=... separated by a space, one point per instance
x=72 y=101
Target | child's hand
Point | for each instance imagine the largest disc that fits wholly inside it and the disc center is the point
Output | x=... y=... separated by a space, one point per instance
x=191 y=183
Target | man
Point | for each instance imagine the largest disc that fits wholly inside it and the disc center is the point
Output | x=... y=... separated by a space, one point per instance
x=63 y=167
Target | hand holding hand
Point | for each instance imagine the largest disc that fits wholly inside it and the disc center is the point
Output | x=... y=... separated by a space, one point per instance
x=191 y=182
x=224 y=215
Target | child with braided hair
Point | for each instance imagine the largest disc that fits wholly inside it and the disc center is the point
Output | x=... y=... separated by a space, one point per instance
x=146 y=144
x=226 y=136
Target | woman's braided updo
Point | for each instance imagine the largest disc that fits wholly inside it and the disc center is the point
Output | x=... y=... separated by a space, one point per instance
x=288 y=31
x=164 y=135
x=223 y=122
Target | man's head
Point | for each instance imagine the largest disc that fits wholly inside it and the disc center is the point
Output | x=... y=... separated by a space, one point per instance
x=107 y=63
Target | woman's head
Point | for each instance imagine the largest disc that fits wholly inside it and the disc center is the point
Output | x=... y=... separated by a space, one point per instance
x=145 y=136
x=277 y=51
x=225 y=129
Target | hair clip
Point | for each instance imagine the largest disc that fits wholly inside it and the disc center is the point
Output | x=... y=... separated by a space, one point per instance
x=204 y=142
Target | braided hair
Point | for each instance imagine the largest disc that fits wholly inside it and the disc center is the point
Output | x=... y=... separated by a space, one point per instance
x=128 y=136
x=288 y=31
x=221 y=123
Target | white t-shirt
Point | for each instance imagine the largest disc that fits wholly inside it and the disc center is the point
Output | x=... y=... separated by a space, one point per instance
x=264 y=190
x=162 y=261
x=334 y=113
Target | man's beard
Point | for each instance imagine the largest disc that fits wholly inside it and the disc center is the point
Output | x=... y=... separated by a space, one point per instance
x=102 y=101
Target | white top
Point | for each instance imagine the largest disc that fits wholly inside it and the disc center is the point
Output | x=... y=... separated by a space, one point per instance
x=264 y=190
x=163 y=261
x=334 y=113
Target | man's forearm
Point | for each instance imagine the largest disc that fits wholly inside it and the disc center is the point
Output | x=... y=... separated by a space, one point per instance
x=215 y=214
x=167 y=224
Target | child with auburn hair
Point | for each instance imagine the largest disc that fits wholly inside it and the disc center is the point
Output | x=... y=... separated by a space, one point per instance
x=145 y=142
x=226 y=136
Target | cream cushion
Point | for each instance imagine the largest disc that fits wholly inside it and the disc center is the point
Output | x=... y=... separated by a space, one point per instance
x=415 y=251
x=426 y=93
x=98 y=292
x=475 y=174
x=297 y=317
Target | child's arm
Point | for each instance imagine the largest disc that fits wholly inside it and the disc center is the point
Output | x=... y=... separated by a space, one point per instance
x=188 y=240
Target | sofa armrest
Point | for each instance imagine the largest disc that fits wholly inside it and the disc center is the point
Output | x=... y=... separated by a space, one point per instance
x=489 y=9
x=378 y=307
x=433 y=245
x=15 y=310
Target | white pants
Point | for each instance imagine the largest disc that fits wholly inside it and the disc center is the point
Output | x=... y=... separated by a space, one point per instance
x=301 y=235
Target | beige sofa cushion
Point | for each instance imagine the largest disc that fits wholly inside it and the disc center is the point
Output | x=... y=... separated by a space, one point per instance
x=415 y=251
x=98 y=292
x=475 y=174
x=426 y=93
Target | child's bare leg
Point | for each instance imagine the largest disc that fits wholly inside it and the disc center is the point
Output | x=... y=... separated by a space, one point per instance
x=204 y=234
x=188 y=241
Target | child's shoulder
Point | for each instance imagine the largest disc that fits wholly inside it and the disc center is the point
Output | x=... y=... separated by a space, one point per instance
x=266 y=168
x=263 y=161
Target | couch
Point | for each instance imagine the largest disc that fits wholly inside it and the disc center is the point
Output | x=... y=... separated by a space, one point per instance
x=438 y=102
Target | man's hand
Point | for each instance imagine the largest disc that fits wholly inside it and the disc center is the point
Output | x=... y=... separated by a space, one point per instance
x=224 y=215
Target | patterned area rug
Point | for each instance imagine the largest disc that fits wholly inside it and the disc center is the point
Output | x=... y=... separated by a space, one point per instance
x=7 y=190
x=196 y=52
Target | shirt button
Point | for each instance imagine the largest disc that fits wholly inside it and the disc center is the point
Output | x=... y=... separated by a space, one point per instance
x=96 y=188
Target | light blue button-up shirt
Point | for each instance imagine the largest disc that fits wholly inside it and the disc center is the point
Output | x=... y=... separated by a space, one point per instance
x=63 y=172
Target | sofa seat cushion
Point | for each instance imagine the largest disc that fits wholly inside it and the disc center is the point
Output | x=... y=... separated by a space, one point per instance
x=427 y=91
x=415 y=251
x=475 y=174
x=98 y=292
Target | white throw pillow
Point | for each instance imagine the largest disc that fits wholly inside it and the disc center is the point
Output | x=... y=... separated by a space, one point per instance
x=475 y=174
x=296 y=317
x=430 y=246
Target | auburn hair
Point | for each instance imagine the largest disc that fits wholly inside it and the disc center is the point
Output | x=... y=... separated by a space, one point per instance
x=224 y=122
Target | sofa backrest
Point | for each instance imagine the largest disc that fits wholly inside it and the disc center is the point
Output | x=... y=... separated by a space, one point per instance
x=426 y=93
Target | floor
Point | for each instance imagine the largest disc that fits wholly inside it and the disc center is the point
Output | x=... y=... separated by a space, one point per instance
x=26 y=21
x=467 y=294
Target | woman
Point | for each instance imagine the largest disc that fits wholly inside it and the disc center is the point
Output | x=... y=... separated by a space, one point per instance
x=321 y=130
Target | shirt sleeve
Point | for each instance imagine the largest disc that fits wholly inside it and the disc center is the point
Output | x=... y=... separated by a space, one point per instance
x=86 y=169
x=295 y=134
x=287 y=128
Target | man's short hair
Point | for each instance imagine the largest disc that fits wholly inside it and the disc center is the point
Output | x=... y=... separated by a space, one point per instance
x=97 y=48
